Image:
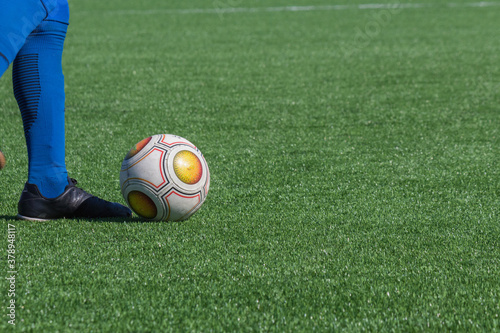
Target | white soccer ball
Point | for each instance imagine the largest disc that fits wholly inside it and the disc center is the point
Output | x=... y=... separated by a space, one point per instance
x=164 y=178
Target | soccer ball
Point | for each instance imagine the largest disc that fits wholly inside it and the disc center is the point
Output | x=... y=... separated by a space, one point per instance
x=164 y=178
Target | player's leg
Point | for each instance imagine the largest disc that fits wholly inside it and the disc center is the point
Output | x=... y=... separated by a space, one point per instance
x=17 y=21
x=39 y=89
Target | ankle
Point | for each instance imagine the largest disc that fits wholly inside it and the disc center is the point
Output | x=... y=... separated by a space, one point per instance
x=50 y=186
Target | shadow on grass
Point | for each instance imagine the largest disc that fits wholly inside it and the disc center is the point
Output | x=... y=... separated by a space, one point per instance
x=8 y=218
x=134 y=219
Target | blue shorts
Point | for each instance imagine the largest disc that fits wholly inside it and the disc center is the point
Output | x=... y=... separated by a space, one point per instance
x=18 y=18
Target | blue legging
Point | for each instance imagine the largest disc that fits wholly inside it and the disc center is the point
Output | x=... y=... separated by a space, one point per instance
x=18 y=18
x=32 y=34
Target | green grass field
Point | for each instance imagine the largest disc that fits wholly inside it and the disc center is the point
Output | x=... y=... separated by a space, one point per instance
x=354 y=156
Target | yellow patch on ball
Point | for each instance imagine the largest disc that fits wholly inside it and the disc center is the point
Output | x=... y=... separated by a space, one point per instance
x=138 y=147
x=142 y=204
x=187 y=167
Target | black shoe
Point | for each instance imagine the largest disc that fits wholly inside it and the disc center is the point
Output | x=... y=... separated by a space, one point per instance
x=73 y=203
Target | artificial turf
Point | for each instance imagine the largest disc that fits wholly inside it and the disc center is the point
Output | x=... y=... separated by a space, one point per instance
x=354 y=158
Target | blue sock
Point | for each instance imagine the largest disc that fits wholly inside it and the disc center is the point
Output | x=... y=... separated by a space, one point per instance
x=39 y=90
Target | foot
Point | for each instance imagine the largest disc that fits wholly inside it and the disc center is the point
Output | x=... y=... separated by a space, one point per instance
x=73 y=203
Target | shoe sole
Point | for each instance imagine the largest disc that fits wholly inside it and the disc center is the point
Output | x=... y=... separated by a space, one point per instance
x=34 y=219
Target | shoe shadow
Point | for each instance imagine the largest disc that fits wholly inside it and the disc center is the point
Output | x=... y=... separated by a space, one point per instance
x=8 y=218
x=134 y=219
x=116 y=220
